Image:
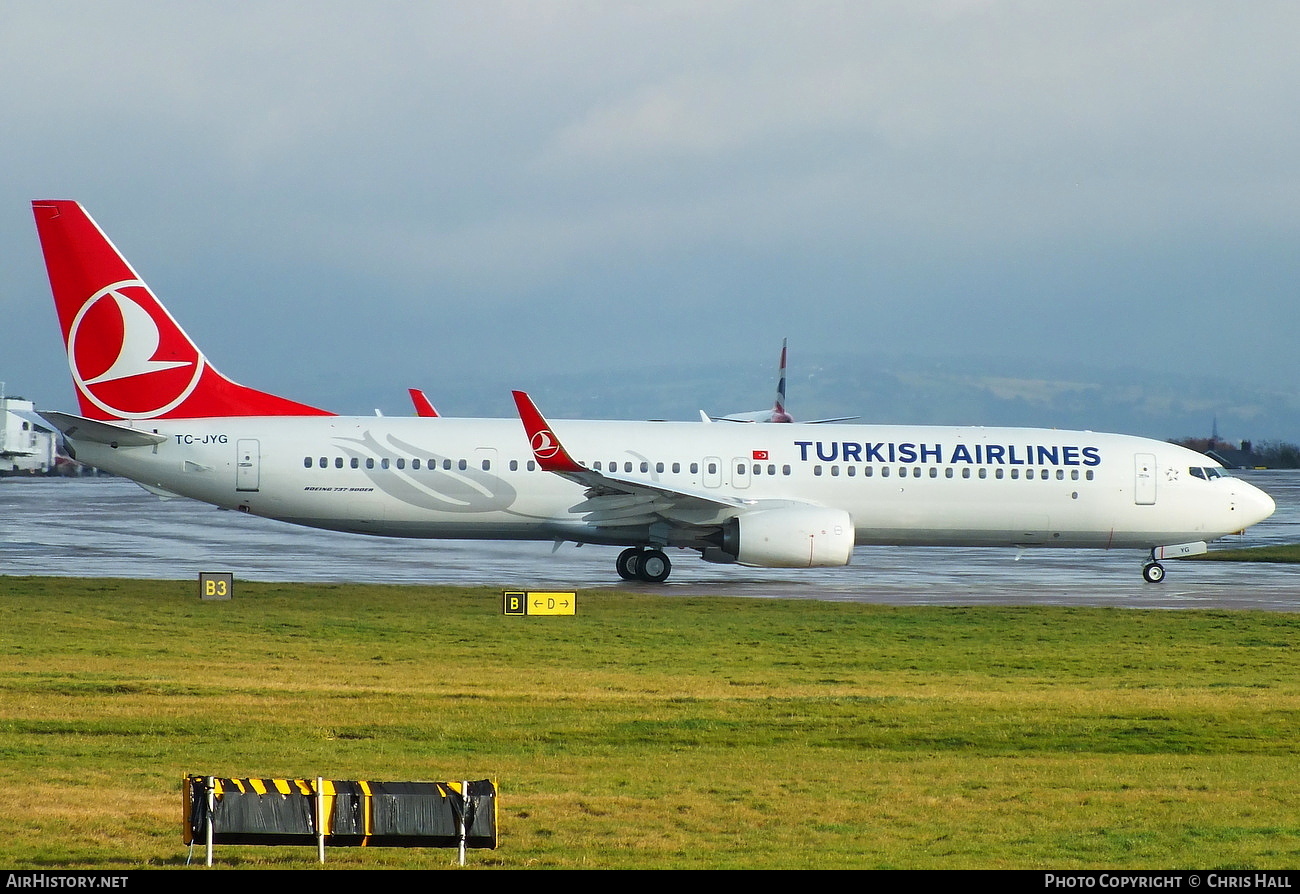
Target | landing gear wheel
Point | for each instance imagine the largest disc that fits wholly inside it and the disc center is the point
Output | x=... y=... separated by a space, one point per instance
x=1153 y=572
x=628 y=564
x=654 y=567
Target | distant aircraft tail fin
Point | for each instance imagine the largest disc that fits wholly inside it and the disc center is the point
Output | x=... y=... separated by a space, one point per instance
x=129 y=359
x=778 y=408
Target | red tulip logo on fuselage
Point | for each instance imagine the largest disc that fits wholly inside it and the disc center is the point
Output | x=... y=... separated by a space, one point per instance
x=128 y=357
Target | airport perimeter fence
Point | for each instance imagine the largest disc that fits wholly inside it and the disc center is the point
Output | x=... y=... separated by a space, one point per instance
x=334 y=813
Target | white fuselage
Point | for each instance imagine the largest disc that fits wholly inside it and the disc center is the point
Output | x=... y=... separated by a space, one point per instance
x=476 y=478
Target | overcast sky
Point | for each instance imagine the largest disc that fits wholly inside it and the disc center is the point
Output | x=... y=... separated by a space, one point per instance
x=343 y=200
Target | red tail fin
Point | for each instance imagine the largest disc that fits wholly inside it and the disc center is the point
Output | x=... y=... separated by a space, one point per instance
x=129 y=358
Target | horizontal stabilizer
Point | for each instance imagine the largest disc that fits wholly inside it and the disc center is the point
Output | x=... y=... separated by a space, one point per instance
x=79 y=428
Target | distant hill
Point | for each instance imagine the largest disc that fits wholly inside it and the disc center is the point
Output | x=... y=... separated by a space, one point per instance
x=901 y=390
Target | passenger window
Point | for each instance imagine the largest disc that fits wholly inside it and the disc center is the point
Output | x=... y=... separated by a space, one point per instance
x=785 y=470
x=401 y=463
x=338 y=462
x=356 y=463
x=306 y=463
x=817 y=470
x=677 y=467
x=462 y=465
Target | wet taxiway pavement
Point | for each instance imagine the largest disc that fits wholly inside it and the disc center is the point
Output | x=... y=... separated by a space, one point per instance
x=108 y=527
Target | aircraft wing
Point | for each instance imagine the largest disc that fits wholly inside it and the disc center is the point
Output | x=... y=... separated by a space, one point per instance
x=612 y=501
x=766 y=416
x=834 y=419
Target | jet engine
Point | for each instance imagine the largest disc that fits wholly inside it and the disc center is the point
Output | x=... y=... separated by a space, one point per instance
x=788 y=537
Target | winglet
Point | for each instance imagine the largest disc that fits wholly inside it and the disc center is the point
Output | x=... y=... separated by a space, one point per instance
x=547 y=449
x=422 y=405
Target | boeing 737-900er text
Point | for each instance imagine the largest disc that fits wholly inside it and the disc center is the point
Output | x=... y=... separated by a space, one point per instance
x=153 y=409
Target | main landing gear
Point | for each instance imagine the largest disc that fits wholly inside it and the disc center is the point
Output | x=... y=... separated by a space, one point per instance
x=650 y=565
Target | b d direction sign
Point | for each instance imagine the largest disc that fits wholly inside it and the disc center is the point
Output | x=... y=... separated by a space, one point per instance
x=539 y=602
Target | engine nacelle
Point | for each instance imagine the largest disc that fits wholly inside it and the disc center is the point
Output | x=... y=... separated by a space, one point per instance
x=789 y=537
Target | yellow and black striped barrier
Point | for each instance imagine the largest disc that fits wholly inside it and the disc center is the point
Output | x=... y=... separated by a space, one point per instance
x=334 y=813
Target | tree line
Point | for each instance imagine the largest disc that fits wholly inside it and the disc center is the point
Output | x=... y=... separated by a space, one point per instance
x=1265 y=454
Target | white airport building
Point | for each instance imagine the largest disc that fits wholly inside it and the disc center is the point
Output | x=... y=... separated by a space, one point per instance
x=28 y=444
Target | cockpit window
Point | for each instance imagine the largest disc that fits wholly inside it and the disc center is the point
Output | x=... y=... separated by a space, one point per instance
x=1206 y=472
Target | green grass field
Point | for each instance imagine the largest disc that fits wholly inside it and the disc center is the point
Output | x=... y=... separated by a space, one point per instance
x=1286 y=554
x=656 y=732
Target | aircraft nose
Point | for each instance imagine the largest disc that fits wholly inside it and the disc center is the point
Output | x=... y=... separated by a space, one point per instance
x=1253 y=504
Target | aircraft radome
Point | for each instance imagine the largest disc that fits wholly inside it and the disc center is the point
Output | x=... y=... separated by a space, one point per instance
x=154 y=409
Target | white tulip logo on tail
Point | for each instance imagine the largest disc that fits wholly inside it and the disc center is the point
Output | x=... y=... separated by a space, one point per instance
x=128 y=357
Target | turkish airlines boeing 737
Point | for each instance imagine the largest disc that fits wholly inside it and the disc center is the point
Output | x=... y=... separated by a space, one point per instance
x=154 y=409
